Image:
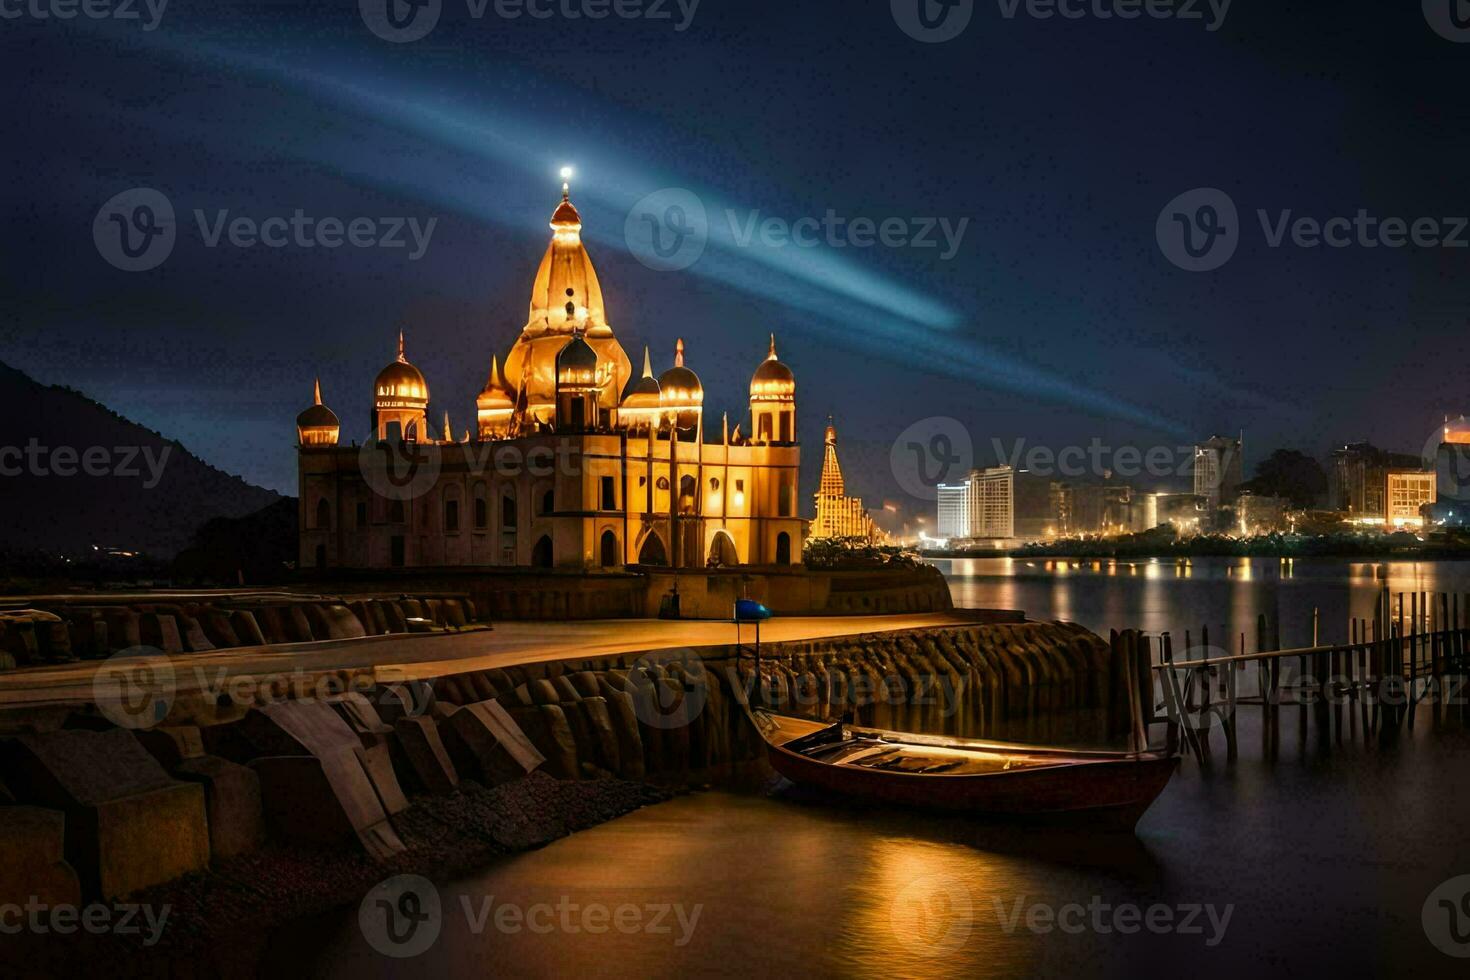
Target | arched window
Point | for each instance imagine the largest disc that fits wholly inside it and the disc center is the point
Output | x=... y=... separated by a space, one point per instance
x=608 y=550
x=395 y=512
x=783 y=503
x=451 y=515
x=323 y=514
x=783 y=549
x=482 y=513
x=652 y=552
x=508 y=511
x=541 y=556
x=548 y=501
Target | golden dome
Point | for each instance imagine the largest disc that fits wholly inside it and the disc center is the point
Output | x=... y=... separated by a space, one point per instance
x=772 y=381
x=401 y=382
x=318 y=425
x=643 y=393
x=318 y=415
x=680 y=387
x=497 y=392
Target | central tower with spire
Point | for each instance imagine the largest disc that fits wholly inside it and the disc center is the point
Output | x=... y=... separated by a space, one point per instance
x=566 y=299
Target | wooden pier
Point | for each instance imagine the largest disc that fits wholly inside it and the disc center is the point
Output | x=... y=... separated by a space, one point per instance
x=1411 y=652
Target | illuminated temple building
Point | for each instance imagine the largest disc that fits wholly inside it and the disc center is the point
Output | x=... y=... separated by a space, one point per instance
x=838 y=515
x=576 y=460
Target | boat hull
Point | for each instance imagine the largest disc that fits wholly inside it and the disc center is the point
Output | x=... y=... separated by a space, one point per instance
x=1099 y=790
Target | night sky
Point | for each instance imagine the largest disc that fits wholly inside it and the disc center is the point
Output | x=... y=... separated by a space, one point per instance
x=1058 y=320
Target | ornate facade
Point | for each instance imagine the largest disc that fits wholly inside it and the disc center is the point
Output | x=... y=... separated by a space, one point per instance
x=575 y=461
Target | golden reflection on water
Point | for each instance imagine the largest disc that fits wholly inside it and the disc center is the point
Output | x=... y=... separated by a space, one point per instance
x=920 y=903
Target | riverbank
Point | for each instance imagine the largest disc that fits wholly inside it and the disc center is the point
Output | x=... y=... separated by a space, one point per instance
x=216 y=923
x=1398 y=546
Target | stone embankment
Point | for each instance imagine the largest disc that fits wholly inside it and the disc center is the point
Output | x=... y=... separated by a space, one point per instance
x=93 y=811
x=61 y=631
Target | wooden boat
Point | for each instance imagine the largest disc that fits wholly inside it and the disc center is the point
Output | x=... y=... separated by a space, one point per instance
x=1110 y=789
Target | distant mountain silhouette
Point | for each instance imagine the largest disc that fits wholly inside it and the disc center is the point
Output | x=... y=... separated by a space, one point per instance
x=74 y=475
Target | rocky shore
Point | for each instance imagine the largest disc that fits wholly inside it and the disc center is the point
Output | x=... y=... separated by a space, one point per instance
x=219 y=921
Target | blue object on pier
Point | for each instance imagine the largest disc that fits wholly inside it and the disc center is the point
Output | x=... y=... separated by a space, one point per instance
x=750 y=611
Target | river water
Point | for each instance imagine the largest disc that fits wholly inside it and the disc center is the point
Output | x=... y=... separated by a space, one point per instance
x=1322 y=860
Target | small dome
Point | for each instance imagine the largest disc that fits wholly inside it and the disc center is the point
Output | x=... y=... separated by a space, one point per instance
x=576 y=362
x=643 y=392
x=318 y=416
x=679 y=386
x=401 y=380
x=772 y=379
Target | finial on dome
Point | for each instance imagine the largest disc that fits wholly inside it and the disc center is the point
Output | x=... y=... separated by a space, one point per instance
x=566 y=183
x=772 y=355
x=316 y=394
x=679 y=353
x=647 y=363
x=448 y=432
x=401 y=358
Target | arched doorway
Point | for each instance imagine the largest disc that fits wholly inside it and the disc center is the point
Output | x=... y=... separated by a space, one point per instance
x=653 y=551
x=687 y=489
x=608 y=556
x=722 y=552
x=783 y=549
x=541 y=554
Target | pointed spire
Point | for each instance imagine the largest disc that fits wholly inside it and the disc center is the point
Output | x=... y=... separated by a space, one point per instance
x=679 y=353
x=401 y=358
x=772 y=355
x=494 y=380
x=648 y=367
x=448 y=432
x=725 y=433
x=316 y=394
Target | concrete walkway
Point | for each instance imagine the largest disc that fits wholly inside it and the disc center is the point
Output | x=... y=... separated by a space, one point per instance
x=411 y=656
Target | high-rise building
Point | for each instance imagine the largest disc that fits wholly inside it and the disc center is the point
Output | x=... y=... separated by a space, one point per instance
x=1217 y=469
x=980 y=506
